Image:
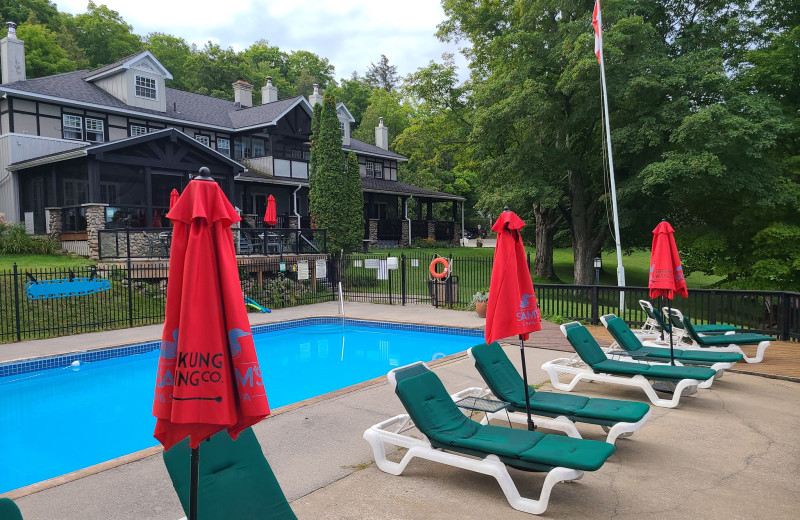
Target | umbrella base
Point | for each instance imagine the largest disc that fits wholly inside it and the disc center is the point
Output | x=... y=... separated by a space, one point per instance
x=669 y=388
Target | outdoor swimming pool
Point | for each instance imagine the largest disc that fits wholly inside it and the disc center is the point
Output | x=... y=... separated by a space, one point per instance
x=62 y=419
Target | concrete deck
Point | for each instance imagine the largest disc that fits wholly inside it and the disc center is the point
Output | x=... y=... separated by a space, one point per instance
x=729 y=451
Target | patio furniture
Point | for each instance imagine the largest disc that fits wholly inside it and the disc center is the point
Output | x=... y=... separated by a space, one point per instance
x=556 y=411
x=625 y=339
x=9 y=510
x=236 y=480
x=157 y=245
x=449 y=437
x=682 y=335
x=596 y=366
x=728 y=342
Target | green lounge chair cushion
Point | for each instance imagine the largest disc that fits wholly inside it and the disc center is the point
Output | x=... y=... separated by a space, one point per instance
x=436 y=416
x=626 y=339
x=505 y=383
x=612 y=366
x=745 y=338
x=585 y=345
x=9 y=510
x=675 y=373
x=236 y=480
x=711 y=328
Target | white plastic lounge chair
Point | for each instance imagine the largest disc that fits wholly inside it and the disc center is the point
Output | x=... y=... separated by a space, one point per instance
x=630 y=346
x=556 y=411
x=675 y=318
x=727 y=342
x=597 y=367
x=451 y=438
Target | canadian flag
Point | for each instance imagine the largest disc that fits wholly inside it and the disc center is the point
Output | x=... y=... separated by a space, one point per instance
x=597 y=23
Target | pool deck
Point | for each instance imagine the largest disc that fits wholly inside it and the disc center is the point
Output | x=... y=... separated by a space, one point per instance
x=729 y=451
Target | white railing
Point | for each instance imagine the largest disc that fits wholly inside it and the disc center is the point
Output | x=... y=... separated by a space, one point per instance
x=78 y=247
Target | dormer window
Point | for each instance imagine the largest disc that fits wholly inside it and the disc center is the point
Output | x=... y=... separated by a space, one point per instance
x=146 y=87
x=341 y=128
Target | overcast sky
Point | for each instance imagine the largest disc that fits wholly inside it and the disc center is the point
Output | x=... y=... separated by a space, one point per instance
x=350 y=33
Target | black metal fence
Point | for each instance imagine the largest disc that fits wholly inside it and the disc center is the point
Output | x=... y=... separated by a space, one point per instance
x=137 y=296
x=374 y=278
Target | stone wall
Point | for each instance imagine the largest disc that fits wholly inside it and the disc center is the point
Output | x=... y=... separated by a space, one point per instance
x=405 y=234
x=95 y=221
x=373 y=232
x=55 y=225
x=432 y=229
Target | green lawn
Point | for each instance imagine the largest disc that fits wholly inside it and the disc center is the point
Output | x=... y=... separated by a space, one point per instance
x=637 y=264
x=42 y=261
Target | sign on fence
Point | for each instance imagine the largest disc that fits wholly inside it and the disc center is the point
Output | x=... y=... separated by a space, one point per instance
x=371 y=263
x=391 y=262
x=302 y=270
x=322 y=269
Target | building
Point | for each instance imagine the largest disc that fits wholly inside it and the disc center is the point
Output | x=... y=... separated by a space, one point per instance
x=105 y=147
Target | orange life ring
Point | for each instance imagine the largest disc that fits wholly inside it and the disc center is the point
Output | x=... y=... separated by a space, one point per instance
x=445 y=264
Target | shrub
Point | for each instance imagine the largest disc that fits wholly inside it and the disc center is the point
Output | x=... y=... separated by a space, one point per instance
x=14 y=241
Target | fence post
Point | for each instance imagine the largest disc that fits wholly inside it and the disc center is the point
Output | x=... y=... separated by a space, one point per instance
x=16 y=302
x=130 y=283
x=784 y=317
x=403 y=278
x=595 y=305
x=389 y=279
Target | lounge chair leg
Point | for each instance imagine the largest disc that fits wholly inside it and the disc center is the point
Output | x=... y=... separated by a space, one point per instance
x=762 y=346
x=622 y=430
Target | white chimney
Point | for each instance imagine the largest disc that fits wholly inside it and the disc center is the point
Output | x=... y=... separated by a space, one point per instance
x=269 y=92
x=381 y=135
x=315 y=98
x=12 y=55
x=243 y=93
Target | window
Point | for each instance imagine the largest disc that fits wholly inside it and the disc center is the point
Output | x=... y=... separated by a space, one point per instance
x=224 y=146
x=75 y=192
x=108 y=193
x=369 y=169
x=138 y=130
x=258 y=148
x=94 y=130
x=378 y=169
x=296 y=154
x=146 y=87
x=341 y=128
x=202 y=139
x=306 y=155
x=73 y=127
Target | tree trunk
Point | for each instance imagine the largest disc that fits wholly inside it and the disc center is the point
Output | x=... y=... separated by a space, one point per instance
x=585 y=239
x=547 y=220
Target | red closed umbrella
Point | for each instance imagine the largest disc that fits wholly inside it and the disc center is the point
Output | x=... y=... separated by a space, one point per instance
x=208 y=375
x=173 y=197
x=512 y=309
x=666 y=273
x=271 y=215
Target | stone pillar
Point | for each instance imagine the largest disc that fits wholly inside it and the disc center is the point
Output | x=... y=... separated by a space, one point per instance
x=292 y=221
x=373 y=232
x=54 y=222
x=456 y=234
x=432 y=229
x=95 y=221
x=406 y=233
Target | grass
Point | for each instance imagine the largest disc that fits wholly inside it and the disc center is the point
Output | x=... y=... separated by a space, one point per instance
x=637 y=265
x=42 y=261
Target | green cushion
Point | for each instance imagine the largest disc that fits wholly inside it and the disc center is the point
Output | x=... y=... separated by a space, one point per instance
x=622 y=411
x=437 y=416
x=236 y=480
x=675 y=373
x=745 y=338
x=628 y=368
x=562 y=404
x=585 y=345
x=655 y=315
x=693 y=356
x=9 y=510
x=715 y=329
x=582 y=454
x=499 y=373
x=623 y=334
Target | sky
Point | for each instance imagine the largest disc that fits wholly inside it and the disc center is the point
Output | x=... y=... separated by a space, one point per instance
x=350 y=33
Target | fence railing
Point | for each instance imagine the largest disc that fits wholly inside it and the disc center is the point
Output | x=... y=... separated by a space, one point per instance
x=137 y=296
x=155 y=242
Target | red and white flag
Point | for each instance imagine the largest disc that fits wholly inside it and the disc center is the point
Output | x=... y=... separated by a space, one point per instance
x=597 y=23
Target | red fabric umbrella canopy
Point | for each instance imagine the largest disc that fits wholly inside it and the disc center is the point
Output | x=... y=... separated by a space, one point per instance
x=173 y=197
x=208 y=375
x=271 y=216
x=666 y=274
x=512 y=309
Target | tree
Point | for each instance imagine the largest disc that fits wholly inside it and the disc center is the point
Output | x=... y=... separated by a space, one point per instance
x=354 y=93
x=176 y=55
x=103 y=35
x=382 y=75
x=328 y=185
x=386 y=105
x=19 y=11
x=43 y=56
x=352 y=207
x=320 y=69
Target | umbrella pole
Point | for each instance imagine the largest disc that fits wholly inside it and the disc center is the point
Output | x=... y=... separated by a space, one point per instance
x=660 y=301
x=194 y=483
x=531 y=426
x=669 y=315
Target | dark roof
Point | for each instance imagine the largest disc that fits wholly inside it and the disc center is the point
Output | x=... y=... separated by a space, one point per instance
x=110 y=66
x=371 y=149
x=368 y=185
x=183 y=106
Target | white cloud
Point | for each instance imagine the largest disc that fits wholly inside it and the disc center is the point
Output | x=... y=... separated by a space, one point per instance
x=350 y=33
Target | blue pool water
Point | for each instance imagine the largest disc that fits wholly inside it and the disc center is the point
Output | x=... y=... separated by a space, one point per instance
x=63 y=419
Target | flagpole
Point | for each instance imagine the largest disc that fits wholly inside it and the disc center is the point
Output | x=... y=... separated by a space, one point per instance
x=620 y=268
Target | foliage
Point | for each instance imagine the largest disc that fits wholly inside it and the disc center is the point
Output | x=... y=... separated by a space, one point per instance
x=382 y=75
x=14 y=241
x=388 y=106
x=44 y=55
x=480 y=296
x=428 y=243
x=352 y=206
x=103 y=34
x=354 y=93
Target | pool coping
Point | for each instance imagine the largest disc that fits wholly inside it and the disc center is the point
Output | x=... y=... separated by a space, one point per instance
x=256 y=329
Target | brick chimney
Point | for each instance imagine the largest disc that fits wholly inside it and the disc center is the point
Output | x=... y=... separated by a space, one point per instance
x=315 y=98
x=381 y=135
x=12 y=55
x=243 y=93
x=269 y=92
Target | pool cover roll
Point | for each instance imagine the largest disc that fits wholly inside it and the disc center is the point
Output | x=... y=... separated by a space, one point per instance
x=208 y=376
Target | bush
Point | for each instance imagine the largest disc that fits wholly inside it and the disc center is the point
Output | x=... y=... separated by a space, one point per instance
x=14 y=241
x=428 y=243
